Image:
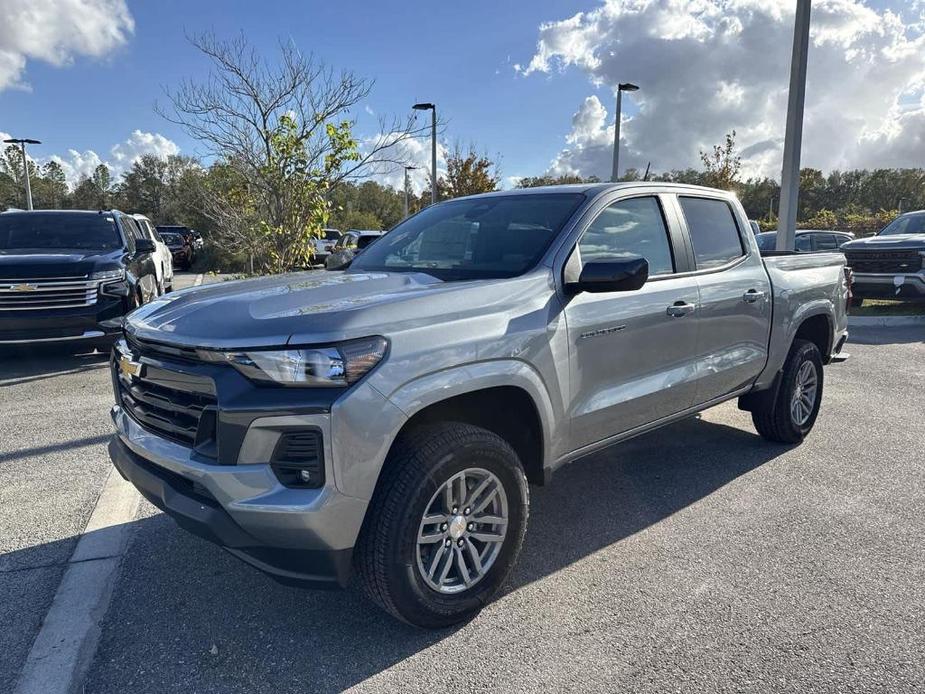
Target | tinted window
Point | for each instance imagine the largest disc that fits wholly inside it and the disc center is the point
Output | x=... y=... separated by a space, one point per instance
x=364 y=241
x=471 y=238
x=826 y=242
x=713 y=230
x=629 y=227
x=767 y=241
x=41 y=230
x=803 y=243
x=331 y=234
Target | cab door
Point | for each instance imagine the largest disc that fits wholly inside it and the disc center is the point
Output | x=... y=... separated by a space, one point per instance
x=734 y=316
x=630 y=353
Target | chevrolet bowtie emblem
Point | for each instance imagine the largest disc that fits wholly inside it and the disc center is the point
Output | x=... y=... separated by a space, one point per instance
x=130 y=368
x=23 y=288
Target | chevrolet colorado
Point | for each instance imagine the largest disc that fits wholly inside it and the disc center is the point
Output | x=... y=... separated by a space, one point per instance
x=383 y=421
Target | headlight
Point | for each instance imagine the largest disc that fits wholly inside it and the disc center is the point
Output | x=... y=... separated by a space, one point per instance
x=108 y=275
x=335 y=366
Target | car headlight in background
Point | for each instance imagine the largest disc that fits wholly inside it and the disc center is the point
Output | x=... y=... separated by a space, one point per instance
x=334 y=366
x=112 y=282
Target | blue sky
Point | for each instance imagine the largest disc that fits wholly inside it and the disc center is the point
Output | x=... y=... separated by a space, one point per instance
x=83 y=87
x=448 y=53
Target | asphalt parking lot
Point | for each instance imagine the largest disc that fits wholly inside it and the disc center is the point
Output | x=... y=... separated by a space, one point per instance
x=697 y=558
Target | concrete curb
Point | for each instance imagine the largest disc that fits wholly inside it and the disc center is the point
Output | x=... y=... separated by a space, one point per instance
x=884 y=321
x=66 y=643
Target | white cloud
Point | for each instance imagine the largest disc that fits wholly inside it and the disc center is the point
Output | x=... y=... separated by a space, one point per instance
x=56 y=31
x=707 y=67
x=413 y=152
x=138 y=144
x=77 y=165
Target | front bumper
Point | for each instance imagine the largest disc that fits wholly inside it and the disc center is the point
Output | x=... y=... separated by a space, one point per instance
x=94 y=322
x=303 y=535
x=888 y=286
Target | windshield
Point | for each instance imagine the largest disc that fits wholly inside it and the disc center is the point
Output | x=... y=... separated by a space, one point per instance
x=171 y=239
x=907 y=224
x=473 y=238
x=58 y=231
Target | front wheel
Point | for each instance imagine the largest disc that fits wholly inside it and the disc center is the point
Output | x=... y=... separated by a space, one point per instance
x=792 y=414
x=445 y=526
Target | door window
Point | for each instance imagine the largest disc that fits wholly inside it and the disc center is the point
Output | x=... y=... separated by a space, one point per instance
x=826 y=242
x=714 y=232
x=803 y=243
x=630 y=227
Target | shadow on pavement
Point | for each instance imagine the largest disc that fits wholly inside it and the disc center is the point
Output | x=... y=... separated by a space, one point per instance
x=188 y=616
x=28 y=363
x=53 y=448
x=886 y=335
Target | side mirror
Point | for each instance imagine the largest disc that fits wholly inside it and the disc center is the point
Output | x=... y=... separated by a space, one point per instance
x=144 y=246
x=613 y=275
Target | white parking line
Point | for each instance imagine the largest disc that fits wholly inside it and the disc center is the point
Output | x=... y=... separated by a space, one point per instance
x=66 y=643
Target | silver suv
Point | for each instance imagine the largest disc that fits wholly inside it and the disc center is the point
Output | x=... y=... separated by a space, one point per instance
x=385 y=421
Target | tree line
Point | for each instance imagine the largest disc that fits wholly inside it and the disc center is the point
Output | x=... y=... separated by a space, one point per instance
x=283 y=164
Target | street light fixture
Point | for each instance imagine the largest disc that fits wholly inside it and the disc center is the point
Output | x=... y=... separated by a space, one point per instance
x=622 y=87
x=407 y=169
x=433 y=147
x=22 y=142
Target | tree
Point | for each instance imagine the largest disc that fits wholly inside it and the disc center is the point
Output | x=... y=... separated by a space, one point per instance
x=367 y=205
x=468 y=173
x=721 y=166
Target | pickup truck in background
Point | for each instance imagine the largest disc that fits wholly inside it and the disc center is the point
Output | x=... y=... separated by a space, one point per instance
x=890 y=265
x=70 y=275
x=384 y=421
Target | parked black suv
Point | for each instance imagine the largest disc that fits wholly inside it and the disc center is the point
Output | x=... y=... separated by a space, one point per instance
x=191 y=238
x=71 y=275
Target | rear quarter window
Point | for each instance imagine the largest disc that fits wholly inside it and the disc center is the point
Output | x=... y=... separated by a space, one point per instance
x=713 y=230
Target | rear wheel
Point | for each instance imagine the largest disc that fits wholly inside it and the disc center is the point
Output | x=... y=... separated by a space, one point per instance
x=793 y=413
x=445 y=526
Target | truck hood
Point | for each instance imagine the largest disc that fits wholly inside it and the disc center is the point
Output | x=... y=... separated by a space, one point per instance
x=36 y=263
x=893 y=242
x=305 y=308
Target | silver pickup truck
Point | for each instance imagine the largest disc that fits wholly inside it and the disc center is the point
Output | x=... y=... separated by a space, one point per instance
x=383 y=422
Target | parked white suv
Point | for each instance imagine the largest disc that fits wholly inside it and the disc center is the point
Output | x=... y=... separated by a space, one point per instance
x=163 y=260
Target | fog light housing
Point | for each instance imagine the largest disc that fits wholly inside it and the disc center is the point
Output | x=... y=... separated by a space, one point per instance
x=298 y=459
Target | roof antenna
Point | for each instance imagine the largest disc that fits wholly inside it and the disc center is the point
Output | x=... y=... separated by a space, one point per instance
x=646 y=177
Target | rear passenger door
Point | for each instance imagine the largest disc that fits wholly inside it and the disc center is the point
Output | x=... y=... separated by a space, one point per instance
x=631 y=354
x=734 y=315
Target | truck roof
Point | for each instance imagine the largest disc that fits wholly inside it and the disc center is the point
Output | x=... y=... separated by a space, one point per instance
x=598 y=188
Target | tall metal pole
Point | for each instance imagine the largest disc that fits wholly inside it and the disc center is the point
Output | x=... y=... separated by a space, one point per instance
x=25 y=172
x=405 y=214
x=790 y=176
x=615 y=174
x=433 y=155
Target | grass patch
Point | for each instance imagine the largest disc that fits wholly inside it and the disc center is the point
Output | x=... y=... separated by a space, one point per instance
x=887 y=307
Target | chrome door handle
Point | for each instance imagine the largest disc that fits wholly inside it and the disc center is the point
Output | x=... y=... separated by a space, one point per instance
x=751 y=296
x=680 y=309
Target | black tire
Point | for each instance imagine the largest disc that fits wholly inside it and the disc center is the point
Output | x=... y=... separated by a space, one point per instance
x=857 y=302
x=419 y=464
x=774 y=421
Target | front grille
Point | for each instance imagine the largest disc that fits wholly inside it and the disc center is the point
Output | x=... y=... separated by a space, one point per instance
x=171 y=405
x=885 y=262
x=47 y=293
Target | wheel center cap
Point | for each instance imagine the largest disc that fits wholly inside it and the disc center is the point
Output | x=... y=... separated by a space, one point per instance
x=457 y=527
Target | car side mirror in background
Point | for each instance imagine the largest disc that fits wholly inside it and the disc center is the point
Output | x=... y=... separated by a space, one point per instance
x=144 y=246
x=613 y=275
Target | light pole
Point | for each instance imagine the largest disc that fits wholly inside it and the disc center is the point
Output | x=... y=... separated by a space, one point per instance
x=407 y=169
x=433 y=147
x=622 y=87
x=793 y=136
x=25 y=164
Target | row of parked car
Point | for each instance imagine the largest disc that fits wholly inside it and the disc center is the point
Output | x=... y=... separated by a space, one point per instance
x=69 y=275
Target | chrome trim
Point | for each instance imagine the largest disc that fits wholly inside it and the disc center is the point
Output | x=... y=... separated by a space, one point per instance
x=88 y=334
x=48 y=293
